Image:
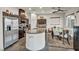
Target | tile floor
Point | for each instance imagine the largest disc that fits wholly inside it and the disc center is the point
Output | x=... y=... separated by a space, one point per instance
x=59 y=43
x=53 y=45
x=17 y=46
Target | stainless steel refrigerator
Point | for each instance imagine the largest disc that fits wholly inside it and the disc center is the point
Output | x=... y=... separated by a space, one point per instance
x=10 y=27
x=76 y=38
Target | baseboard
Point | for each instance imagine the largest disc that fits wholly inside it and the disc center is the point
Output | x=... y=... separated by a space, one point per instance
x=1 y=49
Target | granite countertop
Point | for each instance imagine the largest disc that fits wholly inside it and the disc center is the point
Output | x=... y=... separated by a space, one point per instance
x=35 y=31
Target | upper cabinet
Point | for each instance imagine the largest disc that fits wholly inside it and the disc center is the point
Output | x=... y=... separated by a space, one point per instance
x=41 y=22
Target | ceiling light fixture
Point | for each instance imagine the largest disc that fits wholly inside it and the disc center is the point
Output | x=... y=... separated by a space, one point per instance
x=30 y=8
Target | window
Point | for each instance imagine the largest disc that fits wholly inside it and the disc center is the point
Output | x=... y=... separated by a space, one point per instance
x=70 y=21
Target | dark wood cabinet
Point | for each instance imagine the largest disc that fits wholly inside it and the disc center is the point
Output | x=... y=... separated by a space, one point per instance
x=41 y=23
x=23 y=23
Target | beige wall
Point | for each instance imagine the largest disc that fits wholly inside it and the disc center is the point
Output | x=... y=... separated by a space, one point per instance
x=15 y=11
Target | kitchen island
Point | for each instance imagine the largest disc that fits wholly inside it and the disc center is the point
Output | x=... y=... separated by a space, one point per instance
x=35 y=40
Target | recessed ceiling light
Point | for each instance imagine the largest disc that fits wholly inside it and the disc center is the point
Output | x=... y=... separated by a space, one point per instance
x=30 y=8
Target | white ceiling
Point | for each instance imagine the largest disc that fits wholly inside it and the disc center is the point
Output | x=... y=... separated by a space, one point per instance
x=47 y=10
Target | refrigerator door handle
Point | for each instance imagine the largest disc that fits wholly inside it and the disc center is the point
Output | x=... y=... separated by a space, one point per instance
x=8 y=28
